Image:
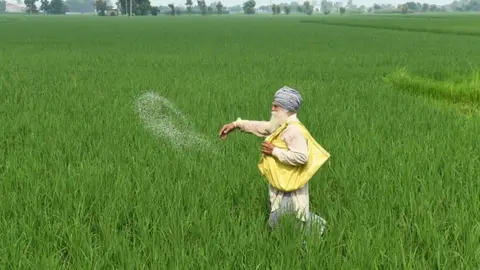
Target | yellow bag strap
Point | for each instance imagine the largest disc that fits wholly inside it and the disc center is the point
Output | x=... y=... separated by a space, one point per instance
x=276 y=133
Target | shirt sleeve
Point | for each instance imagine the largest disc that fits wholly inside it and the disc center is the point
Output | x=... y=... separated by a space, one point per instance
x=297 y=152
x=259 y=128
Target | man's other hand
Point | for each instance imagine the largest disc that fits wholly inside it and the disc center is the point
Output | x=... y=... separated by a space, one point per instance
x=225 y=130
x=267 y=148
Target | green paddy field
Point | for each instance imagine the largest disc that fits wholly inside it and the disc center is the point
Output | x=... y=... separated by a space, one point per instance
x=85 y=185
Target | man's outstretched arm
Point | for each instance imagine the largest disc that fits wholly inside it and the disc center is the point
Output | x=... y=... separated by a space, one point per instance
x=258 y=128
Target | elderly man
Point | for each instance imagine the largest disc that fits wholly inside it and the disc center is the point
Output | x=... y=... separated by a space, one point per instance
x=290 y=157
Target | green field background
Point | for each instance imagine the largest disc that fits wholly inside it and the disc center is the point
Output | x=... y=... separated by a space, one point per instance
x=85 y=186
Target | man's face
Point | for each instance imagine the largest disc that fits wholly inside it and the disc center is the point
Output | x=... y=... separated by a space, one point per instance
x=279 y=116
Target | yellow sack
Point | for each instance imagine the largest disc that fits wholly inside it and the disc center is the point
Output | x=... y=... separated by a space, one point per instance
x=286 y=177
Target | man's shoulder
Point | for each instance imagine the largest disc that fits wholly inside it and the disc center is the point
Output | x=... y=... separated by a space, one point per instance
x=295 y=128
x=296 y=125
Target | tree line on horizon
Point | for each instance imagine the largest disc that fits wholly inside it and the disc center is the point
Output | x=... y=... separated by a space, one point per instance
x=144 y=7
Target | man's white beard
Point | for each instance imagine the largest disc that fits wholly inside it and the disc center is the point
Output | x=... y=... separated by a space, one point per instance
x=277 y=119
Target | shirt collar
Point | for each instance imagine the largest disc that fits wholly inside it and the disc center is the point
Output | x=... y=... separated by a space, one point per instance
x=292 y=118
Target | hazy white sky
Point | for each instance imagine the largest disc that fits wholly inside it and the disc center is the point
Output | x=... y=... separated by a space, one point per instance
x=267 y=2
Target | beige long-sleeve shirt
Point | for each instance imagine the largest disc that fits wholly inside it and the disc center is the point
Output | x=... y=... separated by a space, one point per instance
x=297 y=154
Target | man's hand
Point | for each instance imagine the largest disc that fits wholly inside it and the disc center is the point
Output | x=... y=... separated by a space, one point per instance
x=225 y=130
x=267 y=148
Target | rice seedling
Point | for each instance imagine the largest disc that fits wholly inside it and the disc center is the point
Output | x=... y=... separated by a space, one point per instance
x=91 y=177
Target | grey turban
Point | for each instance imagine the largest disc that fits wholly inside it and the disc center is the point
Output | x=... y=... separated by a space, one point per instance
x=288 y=98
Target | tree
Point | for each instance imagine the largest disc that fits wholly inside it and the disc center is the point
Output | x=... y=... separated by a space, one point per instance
x=57 y=7
x=155 y=10
x=411 y=5
x=342 y=10
x=189 y=4
x=3 y=6
x=31 y=6
x=219 y=7
x=326 y=7
x=473 y=5
x=125 y=6
x=172 y=9
x=101 y=7
x=203 y=7
x=249 y=7
x=275 y=9
x=45 y=6
x=307 y=8
x=425 y=7
x=139 y=7
x=142 y=8
x=287 y=9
